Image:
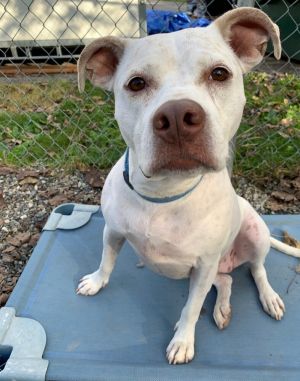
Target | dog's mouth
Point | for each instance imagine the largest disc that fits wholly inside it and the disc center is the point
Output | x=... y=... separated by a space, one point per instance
x=144 y=174
x=179 y=164
x=179 y=160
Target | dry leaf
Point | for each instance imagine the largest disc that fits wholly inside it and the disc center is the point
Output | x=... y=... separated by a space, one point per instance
x=296 y=182
x=49 y=192
x=285 y=183
x=34 y=239
x=270 y=87
x=19 y=239
x=283 y=135
x=275 y=206
x=95 y=178
x=3 y=299
x=27 y=173
x=284 y=196
x=291 y=241
x=269 y=125
x=2 y=201
x=286 y=122
x=8 y=250
x=6 y=171
x=28 y=180
x=59 y=199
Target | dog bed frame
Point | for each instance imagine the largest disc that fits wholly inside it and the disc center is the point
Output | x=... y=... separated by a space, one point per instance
x=47 y=332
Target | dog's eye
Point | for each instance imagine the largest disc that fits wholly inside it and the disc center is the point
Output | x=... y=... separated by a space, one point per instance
x=136 y=84
x=219 y=74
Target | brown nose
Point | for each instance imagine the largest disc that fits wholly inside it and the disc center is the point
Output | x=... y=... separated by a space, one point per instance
x=180 y=119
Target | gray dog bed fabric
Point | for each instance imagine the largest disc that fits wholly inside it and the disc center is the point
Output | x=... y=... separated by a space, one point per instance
x=122 y=332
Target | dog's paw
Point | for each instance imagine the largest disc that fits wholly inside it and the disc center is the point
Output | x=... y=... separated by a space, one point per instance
x=180 y=352
x=222 y=315
x=272 y=304
x=91 y=284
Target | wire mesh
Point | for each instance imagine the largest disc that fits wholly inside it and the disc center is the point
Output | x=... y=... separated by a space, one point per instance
x=44 y=121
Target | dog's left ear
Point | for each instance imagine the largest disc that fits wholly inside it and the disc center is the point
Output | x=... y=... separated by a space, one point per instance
x=247 y=31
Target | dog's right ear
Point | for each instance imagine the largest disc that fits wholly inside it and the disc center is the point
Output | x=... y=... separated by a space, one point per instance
x=98 y=62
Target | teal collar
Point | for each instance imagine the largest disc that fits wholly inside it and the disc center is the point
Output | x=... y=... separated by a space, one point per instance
x=158 y=200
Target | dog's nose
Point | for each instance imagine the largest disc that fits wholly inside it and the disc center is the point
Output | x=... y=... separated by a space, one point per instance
x=178 y=119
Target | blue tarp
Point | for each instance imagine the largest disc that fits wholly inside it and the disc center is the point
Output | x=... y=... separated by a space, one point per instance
x=168 y=21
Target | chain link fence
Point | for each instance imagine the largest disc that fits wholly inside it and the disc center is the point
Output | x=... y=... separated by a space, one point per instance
x=44 y=121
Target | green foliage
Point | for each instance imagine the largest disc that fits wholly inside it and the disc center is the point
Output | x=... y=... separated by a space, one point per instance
x=50 y=123
x=43 y=124
x=268 y=140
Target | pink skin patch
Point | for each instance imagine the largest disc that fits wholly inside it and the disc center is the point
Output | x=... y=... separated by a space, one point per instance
x=227 y=263
x=245 y=245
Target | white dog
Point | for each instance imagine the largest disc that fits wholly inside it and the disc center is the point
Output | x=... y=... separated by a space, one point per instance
x=179 y=100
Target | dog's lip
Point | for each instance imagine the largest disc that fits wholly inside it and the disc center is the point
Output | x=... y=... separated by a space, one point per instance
x=183 y=165
x=177 y=164
x=144 y=174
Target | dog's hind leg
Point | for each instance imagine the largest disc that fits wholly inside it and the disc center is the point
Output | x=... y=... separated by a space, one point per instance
x=92 y=283
x=222 y=310
x=270 y=300
x=253 y=243
x=259 y=244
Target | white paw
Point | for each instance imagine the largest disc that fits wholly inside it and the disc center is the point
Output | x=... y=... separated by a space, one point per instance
x=180 y=352
x=91 y=284
x=272 y=304
x=222 y=315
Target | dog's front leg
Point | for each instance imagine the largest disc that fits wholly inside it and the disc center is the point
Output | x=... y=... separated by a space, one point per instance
x=181 y=348
x=92 y=283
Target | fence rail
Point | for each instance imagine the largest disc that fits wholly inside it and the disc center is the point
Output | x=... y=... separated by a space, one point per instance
x=45 y=122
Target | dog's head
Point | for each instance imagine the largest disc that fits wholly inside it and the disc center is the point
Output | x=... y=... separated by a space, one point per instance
x=179 y=97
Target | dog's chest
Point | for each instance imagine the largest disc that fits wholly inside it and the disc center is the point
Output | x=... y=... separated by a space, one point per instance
x=173 y=238
x=171 y=242
x=162 y=256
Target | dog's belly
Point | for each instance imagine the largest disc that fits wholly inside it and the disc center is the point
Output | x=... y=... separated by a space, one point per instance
x=163 y=257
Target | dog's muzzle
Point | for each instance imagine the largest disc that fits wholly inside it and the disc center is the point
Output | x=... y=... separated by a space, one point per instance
x=178 y=121
x=182 y=137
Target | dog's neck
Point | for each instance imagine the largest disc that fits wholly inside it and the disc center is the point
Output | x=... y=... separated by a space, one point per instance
x=162 y=188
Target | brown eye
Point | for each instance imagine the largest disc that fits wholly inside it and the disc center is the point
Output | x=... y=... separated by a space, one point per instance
x=219 y=74
x=136 y=84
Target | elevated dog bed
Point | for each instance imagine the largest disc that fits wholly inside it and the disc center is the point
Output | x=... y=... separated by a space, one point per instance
x=47 y=332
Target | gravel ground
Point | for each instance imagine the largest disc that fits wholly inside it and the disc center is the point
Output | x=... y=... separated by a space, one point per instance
x=26 y=200
x=28 y=196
